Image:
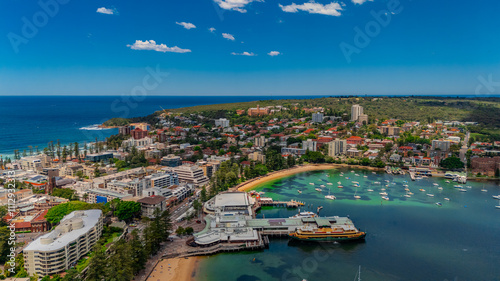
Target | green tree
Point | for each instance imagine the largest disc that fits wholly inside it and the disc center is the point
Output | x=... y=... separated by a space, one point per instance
x=452 y=163
x=126 y=210
x=98 y=264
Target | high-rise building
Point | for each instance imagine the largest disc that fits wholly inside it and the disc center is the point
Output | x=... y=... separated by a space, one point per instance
x=317 y=117
x=337 y=147
x=356 y=111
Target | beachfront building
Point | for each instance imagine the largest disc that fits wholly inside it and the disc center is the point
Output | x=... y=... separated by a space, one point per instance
x=60 y=249
x=309 y=145
x=337 y=147
x=257 y=156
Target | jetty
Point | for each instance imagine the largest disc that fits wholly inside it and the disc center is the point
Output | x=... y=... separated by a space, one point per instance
x=266 y=201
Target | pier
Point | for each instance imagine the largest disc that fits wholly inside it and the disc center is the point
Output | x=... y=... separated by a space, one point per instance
x=264 y=201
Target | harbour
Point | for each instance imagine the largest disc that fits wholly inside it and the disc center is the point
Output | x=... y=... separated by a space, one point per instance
x=418 y=232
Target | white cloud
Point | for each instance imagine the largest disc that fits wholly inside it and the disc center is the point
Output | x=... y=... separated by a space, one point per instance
x=186 y=25
x=228 y=36
x=212 y=29
x=106 y=11
x=332 y=9
x=151 y=45
x=244 y=54
x=235 y=5
x=359 y=2
x=274 y=53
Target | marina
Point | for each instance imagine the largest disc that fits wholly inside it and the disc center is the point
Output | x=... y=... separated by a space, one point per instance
x=393 y=226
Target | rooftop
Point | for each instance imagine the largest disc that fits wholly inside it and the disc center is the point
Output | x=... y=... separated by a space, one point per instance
x=71 y=227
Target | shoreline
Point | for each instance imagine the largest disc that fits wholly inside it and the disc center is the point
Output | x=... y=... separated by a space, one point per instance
x=174 y=269
x=251 y=184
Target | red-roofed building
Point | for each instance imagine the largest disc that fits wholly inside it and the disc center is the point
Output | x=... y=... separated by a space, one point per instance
x=355 y=140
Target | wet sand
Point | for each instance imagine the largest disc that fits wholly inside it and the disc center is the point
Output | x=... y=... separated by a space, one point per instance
x=250 y=184
x=175 y=269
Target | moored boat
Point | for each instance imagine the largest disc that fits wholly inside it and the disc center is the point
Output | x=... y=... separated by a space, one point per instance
x=323 y=230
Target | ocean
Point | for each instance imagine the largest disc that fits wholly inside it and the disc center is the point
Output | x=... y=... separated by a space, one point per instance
x=36 y=120
x=407 y=238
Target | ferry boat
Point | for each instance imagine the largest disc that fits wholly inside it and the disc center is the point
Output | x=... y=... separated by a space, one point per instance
x=325 y=233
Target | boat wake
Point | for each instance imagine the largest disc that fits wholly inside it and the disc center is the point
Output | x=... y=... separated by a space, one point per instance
x=94 y=127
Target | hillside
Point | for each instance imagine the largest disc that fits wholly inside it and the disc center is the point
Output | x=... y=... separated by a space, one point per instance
x=485 y=111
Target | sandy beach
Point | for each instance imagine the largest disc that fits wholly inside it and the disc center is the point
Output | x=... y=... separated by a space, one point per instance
x=175 y=269
x=250 y=184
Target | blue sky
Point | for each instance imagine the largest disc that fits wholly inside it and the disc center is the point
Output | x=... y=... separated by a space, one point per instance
x=259 y=47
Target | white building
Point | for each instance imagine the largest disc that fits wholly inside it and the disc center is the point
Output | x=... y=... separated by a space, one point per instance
x=191 y=174
x=309 y=145
x=356 y=111
x=137 y=143
x=222 y=122
x=60 y=249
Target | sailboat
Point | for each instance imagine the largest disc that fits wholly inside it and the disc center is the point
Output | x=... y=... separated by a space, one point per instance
x=356 y=196
x=498 y=206
x=331 y=197
x=484 y=190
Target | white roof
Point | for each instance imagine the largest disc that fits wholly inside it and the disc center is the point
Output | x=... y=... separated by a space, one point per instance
x=231 y=199
x=60 y=236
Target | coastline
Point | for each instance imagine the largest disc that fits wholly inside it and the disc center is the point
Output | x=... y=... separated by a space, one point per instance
x=251 y=184
x=175 y=269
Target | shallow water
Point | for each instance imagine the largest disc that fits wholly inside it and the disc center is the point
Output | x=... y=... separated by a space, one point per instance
x=408 y=238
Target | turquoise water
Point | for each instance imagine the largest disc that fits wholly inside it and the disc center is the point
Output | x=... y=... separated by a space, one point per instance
x=408 y=238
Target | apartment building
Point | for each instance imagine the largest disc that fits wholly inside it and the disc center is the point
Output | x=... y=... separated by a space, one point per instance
x=58 y=250
x=317 y=117
x=309 y=145
x=191 y=174
x=337 y=147
x=356 y=111
x=222 y=122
